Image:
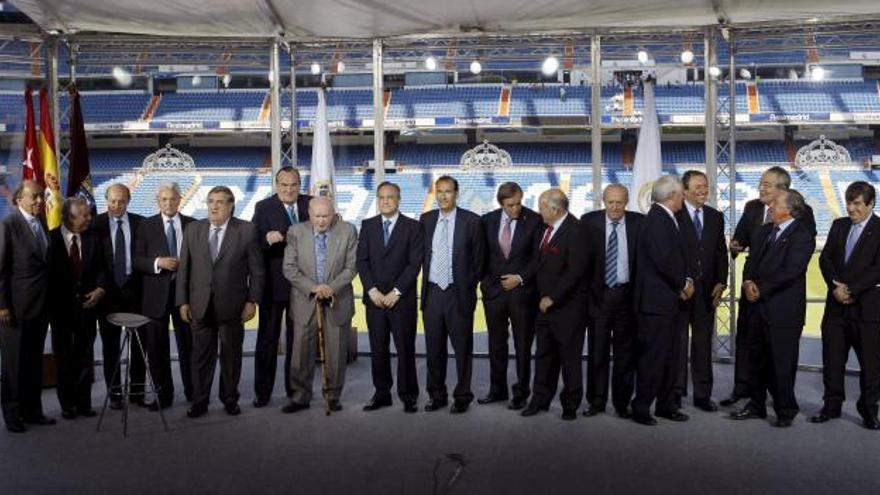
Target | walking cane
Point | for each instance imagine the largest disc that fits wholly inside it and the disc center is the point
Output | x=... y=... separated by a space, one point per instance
x=322 y=354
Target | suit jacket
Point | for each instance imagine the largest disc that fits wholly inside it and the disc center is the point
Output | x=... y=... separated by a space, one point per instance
x=394 y=266
x=468 y=256
x=662 y=267
x=523 y=259
x=780 y=271
x=235 y=278
x=270 y=214
x=594 y=222
x=707 y=256
x=24 y=269
x=861 y=273
x=563 y=273
x=748 y=228
x=151 y=244
x=65 y=291
x=129 y=294
x=300 y=269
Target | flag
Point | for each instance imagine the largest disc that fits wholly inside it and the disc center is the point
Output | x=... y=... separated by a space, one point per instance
x=31 y=169
x=647 y=165
x=322 y=180
x=79 y=180
x=51 y=177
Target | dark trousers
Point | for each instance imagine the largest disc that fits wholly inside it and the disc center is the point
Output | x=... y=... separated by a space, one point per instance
x=701 y=320
x=21 y=377
x=73 y=345
x=272 y=315
x=384 y=325
x=514 y=310
x=840 y=333
x=773 y=359
x=658 y=349
x=158 y=344
x=612 y=330
x=445 y=320
x=206 y=334
x=741 y=351
x=559 y=346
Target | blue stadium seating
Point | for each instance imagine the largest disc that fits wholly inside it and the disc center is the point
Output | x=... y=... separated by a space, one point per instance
x=210 y=105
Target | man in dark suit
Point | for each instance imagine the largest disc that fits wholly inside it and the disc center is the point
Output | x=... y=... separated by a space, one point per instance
x=219 y=281
x=706 y=249
x=79 y=281
x=747 y=237
x=662 y=288
x=614 y=236
x=508 y=287
x=156 y=259
x=453 y=264
x=273 y=216
x=24 y=285
x=561 y=281
x=850 y=264
x=389 y=257
x=117 y=230
x=775 y=283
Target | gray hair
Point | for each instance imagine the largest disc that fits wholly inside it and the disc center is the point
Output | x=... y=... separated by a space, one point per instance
x=795 y=203
x=168 y=185
x=555 y=198
x=664 y=187
x=321 y=200
x=611 y=187
x=67 y=208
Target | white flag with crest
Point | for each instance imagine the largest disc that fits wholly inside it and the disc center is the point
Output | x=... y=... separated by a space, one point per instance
x=647 y=166
x=322 y=177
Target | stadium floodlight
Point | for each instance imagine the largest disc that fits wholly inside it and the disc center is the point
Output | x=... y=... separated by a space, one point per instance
x=687 y=57
x=196 y=80
x=550 y=66
x=476 y=67
x=745 y=73
x=642 y=56
x=316 y=68
x=340 y=67
x=226 y=80
x=122 y=76
x=714 y=72
x=431 y=63
x=817 y=74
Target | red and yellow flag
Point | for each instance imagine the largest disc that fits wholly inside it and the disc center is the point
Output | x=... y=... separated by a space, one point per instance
x=30 y=160
x=51 y=176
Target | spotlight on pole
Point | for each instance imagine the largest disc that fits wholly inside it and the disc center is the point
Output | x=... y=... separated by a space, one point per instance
x=550 y=66
x=196 y=80
x=714 y=72
x=431 y=63
x=226 y=80
x=476 y=67
x=687 y=57
x=122 y=76
x=745 y=73
x=316 y=68
x=340 y=67
x=817 y=74
x=642 y=56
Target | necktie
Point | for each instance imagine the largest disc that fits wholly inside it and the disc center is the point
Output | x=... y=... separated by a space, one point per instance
x=506 y=238
x=851 y=241
x=611 y=257
x=698 y=224
x=444 y=278
x=771 y=239
x=214 y=243
x=171 y=239
x=767 y=218
x=321 y=257
x=386 y=231
x=119 y=261
x=546 y=240
x=75 y=258
x=291 y=214
x=38 y=234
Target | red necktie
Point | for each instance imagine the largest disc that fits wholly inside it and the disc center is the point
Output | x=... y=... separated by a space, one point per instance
x=506 y=237
x=546 y=239
x=75 y=259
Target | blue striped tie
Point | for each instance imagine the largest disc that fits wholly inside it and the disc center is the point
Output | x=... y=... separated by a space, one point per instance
x=611 y=257
x=321 y=258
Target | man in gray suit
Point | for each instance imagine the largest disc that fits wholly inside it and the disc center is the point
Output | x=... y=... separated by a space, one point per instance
x=24 y=283
x=320 y=263
x=219 y=281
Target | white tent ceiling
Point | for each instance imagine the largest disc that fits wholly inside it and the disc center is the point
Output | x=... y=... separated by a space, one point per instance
x=307 y=19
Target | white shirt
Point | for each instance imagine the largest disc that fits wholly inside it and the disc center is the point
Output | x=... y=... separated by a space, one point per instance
x=622 y=248
x=669 y=212
x=220 y=235
x=691 y=209
x=782 y=226
x=126 y=233
x=859 y=228
x=437 y=242
x=178 y=234
x=556 y=225
x=68 y=240
x=513 y=223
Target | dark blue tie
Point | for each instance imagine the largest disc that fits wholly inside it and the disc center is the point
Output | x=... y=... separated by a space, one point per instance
x=171 y=239
x=611 y=257
x=386 y=231
x=119 y=261
x=698 y=224
x=291 y=214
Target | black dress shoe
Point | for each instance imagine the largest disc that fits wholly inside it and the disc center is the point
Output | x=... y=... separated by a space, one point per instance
x=435 y=404
x=747 y=413
x=490 y=398
x=138 y=401
x=377 y=403
x=569 y=414
x=782 y=422
x=623 y=412
x=197 y=410
x=409 y=406
x=261 y=402
x=232 y=409
x=68 y=413
x=459 y=407
x=644 y=420
x=516 y=404
x=156 y=405
x=40 y=420
x=16 y=427
x=824 y=416
x=593 y=410
x=871 y=422
x=334 y=405
x=533 y=409
x=678 y=417
x=707 y=405
x=730 y=401
x=293 y=407
x=86 y=412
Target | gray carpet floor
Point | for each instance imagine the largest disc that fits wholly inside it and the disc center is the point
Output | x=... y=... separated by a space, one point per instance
x=389 y=452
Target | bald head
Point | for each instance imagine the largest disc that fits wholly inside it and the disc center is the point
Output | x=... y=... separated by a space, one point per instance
x=118 y=197
x=29 y=197
x=615 y=197
x=553 y=205
x=321 y=213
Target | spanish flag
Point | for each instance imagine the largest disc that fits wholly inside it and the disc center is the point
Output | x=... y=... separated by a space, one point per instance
x=52 y=178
